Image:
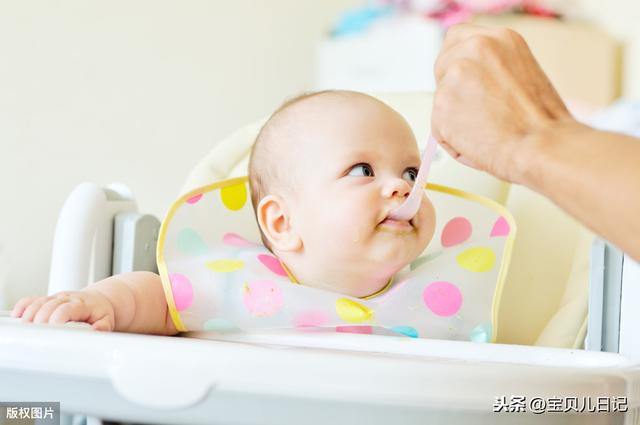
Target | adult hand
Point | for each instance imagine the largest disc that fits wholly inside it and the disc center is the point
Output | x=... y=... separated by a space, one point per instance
x=491 y=95
x=495 y=110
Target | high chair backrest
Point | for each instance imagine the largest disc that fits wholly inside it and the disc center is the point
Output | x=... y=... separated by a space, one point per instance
x=546 y=292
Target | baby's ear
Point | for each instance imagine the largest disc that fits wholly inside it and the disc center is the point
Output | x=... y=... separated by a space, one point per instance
x=275 y=221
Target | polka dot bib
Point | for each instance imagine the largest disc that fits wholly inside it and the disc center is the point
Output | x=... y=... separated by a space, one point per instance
x=217 y=275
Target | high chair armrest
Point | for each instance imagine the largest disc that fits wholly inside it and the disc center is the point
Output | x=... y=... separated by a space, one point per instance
x=83 y=240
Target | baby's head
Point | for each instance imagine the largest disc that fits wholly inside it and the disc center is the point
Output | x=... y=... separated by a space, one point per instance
x=325 y=171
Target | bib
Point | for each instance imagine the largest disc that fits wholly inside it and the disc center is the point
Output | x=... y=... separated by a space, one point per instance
x=217 y=275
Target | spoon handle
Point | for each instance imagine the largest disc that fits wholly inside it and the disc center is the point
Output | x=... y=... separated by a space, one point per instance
x=410 y=206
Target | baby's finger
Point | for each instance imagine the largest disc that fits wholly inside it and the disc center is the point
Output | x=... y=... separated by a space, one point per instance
x=32 y=309
x=72 y=311
x=21 y=305
x=42 y=316
x=103 y=324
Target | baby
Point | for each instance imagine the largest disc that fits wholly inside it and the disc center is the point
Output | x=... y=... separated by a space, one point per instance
x=325 y=171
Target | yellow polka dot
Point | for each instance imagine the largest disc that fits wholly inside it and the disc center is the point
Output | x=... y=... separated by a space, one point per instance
x=234 y=197
x=225 y=266
x=478 y=259
x=353 y=312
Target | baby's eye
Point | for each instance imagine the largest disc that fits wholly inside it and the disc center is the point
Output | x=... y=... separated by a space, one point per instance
x=361 y=170
x=410 y=174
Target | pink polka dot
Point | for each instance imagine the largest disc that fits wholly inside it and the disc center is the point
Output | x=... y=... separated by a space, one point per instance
x=272 y=263
x=500 y=228
x=182 y=290
x=456 y=231
x=262 y=298
x=442 y=298
x=310 y=319
x=234 y=239
x=367 y=330
x=194 y=199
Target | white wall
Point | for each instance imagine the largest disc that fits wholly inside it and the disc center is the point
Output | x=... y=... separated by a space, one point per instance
x=132 y=91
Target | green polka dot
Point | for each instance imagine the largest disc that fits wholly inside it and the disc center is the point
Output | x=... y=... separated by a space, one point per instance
x=220 y=325
x=189 y=242
x=424 y=259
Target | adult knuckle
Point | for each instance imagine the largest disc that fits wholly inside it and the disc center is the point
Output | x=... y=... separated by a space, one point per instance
x=460 y=70
x=440 y=103
x=482 y=45
x=453 y=31
x=457 y=70
x=438 y=67
x=510 y=35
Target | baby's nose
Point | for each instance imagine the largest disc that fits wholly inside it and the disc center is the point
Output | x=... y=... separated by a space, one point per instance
x=396 y=187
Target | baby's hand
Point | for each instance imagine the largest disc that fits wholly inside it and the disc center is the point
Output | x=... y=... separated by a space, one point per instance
x=91 y=307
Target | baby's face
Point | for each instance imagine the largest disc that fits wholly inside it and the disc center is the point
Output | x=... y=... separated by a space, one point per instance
x=357 y=163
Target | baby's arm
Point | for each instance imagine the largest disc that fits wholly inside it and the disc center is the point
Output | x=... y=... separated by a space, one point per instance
x=129 y=302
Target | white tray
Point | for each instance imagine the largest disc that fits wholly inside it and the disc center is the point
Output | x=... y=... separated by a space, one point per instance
x=301 y=378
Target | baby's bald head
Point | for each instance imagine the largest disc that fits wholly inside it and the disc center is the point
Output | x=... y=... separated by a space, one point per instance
x=272 y=143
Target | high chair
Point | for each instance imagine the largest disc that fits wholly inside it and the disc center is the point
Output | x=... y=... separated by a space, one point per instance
x=283 y=377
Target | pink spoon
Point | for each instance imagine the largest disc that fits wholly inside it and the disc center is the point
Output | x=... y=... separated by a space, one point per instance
x=410 y=206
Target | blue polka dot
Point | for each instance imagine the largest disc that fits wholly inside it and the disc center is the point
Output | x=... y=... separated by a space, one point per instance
x=405 y=330
x=481 y=333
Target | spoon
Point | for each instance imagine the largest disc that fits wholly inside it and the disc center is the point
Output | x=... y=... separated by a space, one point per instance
x=409 y=207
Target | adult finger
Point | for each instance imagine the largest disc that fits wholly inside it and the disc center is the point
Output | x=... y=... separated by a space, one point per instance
x=462 y=32
x=476 y=51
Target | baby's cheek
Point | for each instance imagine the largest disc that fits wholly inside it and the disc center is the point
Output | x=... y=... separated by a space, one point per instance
x=345 y=223
x=347 y=243
x=348 y=235
x=334 y=235
x=427 y=220
x=348 y=226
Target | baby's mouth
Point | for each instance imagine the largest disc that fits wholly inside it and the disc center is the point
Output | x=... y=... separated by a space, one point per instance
x=398 y=225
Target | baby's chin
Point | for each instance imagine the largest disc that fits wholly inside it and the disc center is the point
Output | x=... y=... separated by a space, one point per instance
x=358 y=292
x=354 y=287
x=395 y=254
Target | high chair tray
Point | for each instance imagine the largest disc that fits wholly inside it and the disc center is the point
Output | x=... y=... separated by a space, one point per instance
x=303 y=378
